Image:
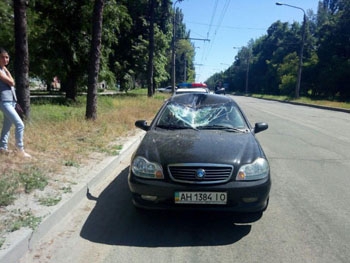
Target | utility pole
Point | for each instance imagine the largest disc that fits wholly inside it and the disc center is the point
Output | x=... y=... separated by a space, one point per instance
x=173 y=49
x=150 y=65
x=173 y=55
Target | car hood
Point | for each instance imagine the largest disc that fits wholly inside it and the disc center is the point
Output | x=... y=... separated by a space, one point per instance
x=203 y=146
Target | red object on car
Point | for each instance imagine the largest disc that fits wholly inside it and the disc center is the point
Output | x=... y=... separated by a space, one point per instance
x=199 y=85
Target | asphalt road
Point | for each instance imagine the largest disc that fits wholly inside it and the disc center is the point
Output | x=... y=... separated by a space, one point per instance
x=308 y=219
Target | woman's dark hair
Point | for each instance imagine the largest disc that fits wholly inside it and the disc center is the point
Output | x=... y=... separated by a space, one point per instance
x=2 y=50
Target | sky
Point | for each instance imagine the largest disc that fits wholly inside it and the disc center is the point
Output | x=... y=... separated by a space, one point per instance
x=231 y=24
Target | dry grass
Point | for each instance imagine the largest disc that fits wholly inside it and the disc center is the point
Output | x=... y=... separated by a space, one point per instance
x=58 y=136
x=328 y=103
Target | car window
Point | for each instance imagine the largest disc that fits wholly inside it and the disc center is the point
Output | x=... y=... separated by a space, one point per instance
x=224 y=115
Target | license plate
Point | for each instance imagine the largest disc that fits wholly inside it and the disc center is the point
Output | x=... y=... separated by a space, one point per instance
x=216 y=198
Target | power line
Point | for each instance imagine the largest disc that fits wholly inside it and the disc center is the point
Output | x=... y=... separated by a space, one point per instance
x=221 y=19
x=209 y=28
x=229 y=27
x=207 y=49
x=212 y=17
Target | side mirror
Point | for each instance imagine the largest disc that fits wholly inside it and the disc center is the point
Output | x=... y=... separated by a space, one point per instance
x=260 y=126
x=142 y=124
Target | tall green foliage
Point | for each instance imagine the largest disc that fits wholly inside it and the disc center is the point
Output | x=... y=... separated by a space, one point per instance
x=274 y=57
x=184 y=51
x=61 y=42
x=60 y=34
x=6 y=27
x=334 y=49
x=130 y=53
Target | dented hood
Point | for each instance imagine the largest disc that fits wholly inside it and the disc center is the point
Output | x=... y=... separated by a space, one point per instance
x=199 y=146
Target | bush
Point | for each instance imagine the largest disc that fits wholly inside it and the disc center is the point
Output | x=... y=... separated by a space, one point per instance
x=32 y=179
x=7 y=191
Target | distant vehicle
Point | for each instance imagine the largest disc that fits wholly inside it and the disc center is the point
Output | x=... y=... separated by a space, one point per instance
x=167 y=89
x=200 y=153
x=191 y=90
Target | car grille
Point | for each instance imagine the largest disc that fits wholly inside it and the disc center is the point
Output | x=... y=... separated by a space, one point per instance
x=188 y=173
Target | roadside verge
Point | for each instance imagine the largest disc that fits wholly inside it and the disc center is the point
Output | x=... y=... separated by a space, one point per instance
x=19 y=242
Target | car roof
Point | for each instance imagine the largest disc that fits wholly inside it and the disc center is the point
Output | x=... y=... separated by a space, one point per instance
x=200 y=99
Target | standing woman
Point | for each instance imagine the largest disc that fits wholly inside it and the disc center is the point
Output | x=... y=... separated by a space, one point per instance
x=7 y=106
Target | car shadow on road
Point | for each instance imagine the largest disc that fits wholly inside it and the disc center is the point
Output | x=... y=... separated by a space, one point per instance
x=115 y=221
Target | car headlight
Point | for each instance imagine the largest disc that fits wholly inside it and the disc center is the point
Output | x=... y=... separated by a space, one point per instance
x=143 y=168
x=259 y=169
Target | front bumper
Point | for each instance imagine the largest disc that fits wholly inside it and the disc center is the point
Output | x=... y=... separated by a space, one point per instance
x=242 y=197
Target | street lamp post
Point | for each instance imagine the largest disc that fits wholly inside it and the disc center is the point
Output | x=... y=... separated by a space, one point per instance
x=173 y=49
x=300 y=65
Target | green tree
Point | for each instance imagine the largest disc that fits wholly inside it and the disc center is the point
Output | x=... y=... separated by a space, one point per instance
x=184 y=50
x=62 y=45
x=268 y=51
x=163 y=39
x=287 y=74
x=184 y=61
x=130 y=54
x=161 y=60
x=13 y=37
x=7 y=26
x=334 y=48
x=131 y=58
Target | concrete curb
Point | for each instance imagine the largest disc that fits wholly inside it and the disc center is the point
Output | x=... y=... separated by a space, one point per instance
x=27 y=238
x=320 y=107
x=309 y=105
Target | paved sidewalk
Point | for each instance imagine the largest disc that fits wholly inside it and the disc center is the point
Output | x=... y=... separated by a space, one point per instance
x=22 y=240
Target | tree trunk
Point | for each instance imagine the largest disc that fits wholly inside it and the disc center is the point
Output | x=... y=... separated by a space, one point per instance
x=94 y=67
x=21 y=56
x=150 y=49
x=70 y=85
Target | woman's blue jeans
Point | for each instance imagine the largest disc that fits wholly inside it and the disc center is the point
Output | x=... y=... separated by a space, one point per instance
x=11 y=117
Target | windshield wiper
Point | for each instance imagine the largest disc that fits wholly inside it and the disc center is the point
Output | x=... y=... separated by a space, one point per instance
x=221 y=127
x=175 y=127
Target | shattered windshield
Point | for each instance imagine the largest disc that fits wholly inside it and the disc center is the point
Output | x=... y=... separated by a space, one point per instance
x=213 y=116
